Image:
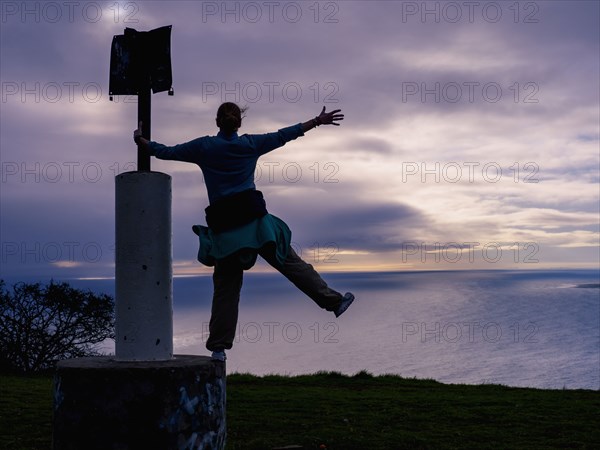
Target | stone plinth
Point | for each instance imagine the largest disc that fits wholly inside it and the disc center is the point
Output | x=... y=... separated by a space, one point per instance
x=104 y=404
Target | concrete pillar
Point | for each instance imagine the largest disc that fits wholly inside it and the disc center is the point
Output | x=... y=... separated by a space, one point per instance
x=103 y=404
x=143 y=275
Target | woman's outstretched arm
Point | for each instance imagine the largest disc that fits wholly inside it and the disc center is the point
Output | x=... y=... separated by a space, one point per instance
x=187 y=151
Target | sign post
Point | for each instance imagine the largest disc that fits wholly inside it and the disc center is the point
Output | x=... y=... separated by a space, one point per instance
x=140 y=62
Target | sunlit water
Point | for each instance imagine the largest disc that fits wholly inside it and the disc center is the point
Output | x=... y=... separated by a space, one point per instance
x=527 y=328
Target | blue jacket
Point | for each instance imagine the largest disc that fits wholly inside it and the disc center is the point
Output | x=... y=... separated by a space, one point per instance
x=228 y=162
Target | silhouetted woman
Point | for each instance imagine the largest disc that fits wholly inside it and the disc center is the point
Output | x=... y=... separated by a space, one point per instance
x=239 y=226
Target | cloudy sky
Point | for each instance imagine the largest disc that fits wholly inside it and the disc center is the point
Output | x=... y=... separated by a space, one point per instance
x=471 y=138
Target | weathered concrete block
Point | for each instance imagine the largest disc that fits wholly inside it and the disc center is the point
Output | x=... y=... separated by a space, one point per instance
x=104 y=404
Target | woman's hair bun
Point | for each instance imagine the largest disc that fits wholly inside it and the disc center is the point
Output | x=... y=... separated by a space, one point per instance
x=229 y=117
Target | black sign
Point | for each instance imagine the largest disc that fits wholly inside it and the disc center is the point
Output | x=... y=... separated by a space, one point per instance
x=140 y=60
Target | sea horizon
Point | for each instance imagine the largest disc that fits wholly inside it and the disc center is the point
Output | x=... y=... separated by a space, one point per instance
x=524 y=328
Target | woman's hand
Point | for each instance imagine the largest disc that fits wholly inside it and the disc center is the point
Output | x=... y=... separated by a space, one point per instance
x=137 y=134
x=329 y=118
x=139 y=139
x=325 y=118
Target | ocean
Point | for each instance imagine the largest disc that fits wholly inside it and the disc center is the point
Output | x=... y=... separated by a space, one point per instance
x=529 y=328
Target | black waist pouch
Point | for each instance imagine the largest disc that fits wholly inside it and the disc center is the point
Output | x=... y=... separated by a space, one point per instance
x=235 y=210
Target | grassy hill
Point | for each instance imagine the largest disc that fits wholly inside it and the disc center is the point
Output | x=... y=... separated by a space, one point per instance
x=333 y=411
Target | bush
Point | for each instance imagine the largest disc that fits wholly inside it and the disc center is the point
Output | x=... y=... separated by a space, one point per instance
x=42 y=324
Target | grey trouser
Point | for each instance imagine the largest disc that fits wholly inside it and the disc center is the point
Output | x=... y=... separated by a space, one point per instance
x=227 y=281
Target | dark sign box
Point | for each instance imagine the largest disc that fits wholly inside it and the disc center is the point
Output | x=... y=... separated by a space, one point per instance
x=141 y=59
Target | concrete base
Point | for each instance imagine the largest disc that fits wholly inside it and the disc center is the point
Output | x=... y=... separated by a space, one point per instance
x=104 y=404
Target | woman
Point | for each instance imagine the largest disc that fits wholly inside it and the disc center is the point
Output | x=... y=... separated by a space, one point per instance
x=239 y=225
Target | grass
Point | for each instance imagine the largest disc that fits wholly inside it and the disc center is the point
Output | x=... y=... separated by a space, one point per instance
x=355 y=412
x=25 y=412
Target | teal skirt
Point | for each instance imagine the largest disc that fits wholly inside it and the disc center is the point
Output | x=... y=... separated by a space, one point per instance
x=245 y=241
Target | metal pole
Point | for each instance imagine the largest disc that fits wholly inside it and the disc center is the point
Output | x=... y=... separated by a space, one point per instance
x=143 y=157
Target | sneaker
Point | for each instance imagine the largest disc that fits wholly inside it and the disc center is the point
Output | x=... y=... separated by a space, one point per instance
x=346 y=302
x=218 y=356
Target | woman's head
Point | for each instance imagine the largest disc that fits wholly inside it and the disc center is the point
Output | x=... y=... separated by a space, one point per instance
x=229 y=117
